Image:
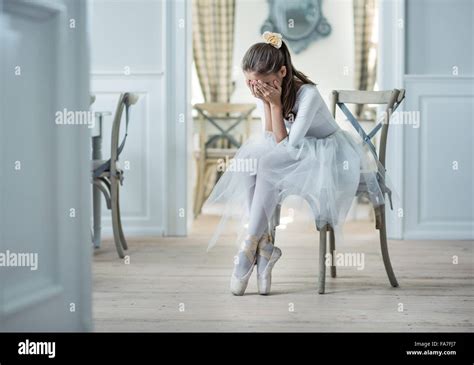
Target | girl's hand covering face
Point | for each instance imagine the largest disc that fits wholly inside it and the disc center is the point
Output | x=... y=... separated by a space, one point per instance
x=271 y=94
x=252 y=84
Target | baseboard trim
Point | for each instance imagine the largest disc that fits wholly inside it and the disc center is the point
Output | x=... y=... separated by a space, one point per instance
x=454 y=235
x=134 y=232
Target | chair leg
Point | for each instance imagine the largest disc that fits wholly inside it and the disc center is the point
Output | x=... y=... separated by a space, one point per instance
x=200 y=187
x=272 y=224
x=322 y=259
x=116 y=216
x=275 y=222
x=121 y=235
x=97 y=215
x=383 y=245
x=332 y=248
x=104 y=186
x=207 y=178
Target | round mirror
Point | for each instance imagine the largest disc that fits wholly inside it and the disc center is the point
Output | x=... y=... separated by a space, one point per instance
x=300 y=22
x=297 y=22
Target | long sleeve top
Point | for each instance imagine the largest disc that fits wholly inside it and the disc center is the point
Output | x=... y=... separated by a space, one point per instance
x=313 y=118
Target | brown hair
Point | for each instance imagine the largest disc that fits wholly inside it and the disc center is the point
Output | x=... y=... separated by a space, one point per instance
x=265 y=59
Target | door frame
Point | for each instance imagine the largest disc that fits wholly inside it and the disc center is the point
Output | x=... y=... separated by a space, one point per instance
x=391 y=71
x=178 y=62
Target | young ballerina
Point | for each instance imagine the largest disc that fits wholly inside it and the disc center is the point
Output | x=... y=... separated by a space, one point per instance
x=302 y=151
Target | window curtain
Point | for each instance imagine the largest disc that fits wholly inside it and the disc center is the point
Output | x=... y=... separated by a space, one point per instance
x=213 y=44
x=365 y=51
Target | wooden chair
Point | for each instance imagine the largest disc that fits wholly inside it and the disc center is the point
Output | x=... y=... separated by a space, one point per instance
x=392 y=98
x=107 y=175
x=220 y=144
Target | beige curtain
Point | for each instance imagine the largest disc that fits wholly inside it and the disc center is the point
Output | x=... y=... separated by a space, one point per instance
x=365 y=67
x=213 y=43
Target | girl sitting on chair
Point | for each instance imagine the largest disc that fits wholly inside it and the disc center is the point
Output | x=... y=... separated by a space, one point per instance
x=302 y=151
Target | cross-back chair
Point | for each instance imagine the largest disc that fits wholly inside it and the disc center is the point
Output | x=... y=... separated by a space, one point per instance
x=107 y=175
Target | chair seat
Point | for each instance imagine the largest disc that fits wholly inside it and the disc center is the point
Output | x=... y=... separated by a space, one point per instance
x=95 y=164
x=362 y=188
x=216 y=153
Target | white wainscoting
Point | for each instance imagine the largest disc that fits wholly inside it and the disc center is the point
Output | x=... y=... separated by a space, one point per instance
x=143 y=189
x=438 y=197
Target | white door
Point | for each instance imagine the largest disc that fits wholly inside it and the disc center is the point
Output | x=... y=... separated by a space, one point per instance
x=426 y=47
x=45 y=252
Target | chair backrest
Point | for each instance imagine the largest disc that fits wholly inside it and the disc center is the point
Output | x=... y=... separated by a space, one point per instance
x=392 y=99
x=124 y=102
x=232 y=114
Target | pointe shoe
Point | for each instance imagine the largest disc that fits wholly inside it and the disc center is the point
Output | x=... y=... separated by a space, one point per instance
x=238 y=284
x=264 y=274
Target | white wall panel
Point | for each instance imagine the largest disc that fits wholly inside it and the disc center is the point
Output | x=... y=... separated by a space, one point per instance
x=128 y=39
x=439 y=158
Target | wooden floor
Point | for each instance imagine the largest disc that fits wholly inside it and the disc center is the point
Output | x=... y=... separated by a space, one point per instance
x=173 y=284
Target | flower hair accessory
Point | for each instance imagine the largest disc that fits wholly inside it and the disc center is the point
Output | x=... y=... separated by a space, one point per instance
x=275 y=39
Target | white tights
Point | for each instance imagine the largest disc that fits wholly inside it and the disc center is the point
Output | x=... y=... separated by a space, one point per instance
x=261 y=192
x=261 y=199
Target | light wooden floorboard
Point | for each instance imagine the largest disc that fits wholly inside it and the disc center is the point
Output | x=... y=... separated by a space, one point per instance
x=166 y=273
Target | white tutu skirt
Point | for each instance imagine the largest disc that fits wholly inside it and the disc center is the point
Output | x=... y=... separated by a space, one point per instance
x=325 y=172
